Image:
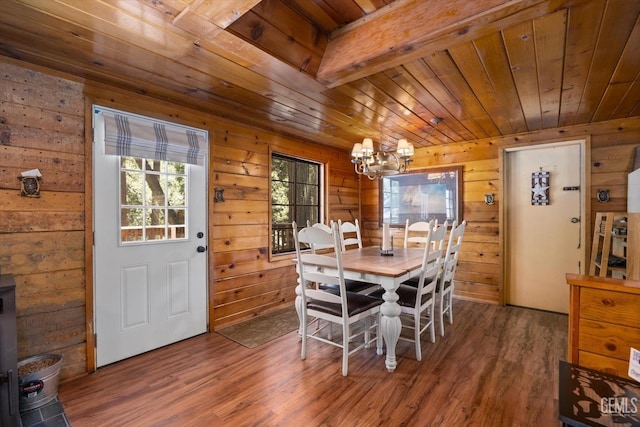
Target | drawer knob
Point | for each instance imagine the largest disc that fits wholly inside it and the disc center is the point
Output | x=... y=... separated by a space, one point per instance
x=608 y=302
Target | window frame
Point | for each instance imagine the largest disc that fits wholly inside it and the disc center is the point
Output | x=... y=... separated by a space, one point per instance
x=321 y=196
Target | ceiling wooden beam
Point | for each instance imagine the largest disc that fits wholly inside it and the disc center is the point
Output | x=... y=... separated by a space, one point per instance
x=221 y=12
x=406 y=30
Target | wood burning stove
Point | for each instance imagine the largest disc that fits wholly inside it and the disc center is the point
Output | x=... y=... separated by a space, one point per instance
x=9 y=408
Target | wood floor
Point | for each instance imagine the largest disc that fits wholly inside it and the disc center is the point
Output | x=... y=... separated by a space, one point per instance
x=496 y=366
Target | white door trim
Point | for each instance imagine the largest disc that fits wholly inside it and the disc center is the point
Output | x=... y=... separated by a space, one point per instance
x=585 y=190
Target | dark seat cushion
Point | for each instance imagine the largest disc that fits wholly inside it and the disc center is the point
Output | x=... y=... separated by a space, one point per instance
x=350 y=285
x=356 y=303
x=415 y=281
x=406 y=295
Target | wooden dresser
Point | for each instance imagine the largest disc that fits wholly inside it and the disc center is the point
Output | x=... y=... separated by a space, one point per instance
x=604 y=322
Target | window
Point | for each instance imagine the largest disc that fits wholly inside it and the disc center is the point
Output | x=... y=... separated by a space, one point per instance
x=153 y=202
x=295 y=196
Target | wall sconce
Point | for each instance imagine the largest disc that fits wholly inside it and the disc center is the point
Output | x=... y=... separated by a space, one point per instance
x=30 y=183
x=602 y=195
x=218 y=195
x=488 y=199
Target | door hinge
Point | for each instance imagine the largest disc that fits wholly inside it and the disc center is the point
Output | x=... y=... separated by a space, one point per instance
x=95 y=340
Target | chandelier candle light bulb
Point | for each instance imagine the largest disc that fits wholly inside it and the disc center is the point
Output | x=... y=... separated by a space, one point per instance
x=367 y=146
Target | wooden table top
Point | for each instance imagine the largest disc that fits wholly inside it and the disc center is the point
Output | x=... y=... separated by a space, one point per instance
x=369 y=261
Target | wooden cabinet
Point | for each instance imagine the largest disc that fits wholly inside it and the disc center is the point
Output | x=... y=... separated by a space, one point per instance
x=604 y=322
x=609 y=251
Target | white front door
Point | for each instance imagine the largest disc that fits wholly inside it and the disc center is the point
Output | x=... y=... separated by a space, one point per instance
x=543 y=242
x=150 y=253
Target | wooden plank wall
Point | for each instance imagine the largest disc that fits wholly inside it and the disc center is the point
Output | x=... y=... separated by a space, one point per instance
x=42 y=241
x=479 y=274
x=246 y=281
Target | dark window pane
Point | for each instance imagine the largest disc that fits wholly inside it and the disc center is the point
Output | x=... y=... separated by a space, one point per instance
x=281 y=169
x=307 y=173
x=305 y=213
x=306 y=194
x=281 y=193
x=281 y=214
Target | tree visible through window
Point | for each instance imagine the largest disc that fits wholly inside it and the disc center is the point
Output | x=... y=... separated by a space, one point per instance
x=295 y=196
x=153 y=201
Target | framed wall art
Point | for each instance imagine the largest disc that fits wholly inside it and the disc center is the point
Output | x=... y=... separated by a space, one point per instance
x=422 y=196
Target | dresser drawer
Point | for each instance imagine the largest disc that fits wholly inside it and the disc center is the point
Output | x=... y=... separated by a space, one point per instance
x=604 y=364
x=612 y=307
x=607 y=339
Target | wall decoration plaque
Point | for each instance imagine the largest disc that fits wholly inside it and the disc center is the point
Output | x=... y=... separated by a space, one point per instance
x=540 y=188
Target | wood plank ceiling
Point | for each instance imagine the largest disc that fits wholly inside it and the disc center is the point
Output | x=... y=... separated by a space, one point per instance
x=335 y=71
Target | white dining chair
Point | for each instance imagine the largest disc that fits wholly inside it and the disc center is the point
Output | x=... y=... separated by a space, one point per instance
x=343 y=308
x=450 y=263
x=417 y=301
x=416 y=233
x=350 y=234
x=352 y=285
x=437 y=241
x=323 y=227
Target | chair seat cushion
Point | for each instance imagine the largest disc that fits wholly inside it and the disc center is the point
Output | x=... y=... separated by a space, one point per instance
x=356 y=303
x=406 y=295
x=350 y=285
x=414 y=281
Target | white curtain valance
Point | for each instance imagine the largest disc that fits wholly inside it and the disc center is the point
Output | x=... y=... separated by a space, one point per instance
x=137 y=136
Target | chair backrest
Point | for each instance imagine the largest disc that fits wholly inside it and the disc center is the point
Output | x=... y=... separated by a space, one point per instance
x=325 y=228
x=452 y=253
x=349 y=234
x=319 y=268
x=439 y=240
x=417 y=232
x=432 y=261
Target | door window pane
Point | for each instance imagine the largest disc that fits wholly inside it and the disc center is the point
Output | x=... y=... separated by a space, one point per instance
x=153 y=201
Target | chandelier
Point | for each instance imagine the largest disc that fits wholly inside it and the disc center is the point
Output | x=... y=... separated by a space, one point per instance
x=377 y=164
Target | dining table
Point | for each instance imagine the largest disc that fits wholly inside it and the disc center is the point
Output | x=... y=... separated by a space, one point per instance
x=389 y=270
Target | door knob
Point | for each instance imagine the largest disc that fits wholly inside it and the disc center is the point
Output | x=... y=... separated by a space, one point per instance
x=202 y=249
x=575 y=220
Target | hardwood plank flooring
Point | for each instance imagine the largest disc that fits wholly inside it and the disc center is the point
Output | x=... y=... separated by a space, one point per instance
x=495 y=366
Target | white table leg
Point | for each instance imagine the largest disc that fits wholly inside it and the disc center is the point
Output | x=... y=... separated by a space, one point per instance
x=390 y=326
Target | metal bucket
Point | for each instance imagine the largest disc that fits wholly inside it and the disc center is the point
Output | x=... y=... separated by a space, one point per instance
x=40 y=387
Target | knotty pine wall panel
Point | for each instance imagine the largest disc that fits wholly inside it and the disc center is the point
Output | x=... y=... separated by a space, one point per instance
x=42 y=239
x=247 y=282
